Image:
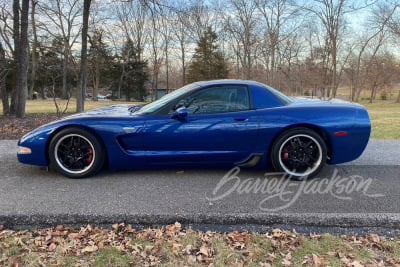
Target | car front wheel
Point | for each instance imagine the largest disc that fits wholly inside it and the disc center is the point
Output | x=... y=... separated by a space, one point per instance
x=76 y=153
x=299 y=152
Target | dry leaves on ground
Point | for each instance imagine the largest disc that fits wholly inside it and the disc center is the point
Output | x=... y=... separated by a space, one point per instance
x=14 y=128
x=122 y=245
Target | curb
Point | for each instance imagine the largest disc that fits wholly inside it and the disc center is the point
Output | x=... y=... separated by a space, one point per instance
x=341 y=220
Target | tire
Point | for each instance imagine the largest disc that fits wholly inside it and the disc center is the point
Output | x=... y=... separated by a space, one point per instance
x=76 y=153
x=299 y=152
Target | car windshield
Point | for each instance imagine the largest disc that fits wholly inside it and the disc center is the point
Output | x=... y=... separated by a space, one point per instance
x=156 y=105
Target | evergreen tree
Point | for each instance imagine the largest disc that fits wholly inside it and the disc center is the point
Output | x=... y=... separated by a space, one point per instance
x=134 y=72
x=208 y=62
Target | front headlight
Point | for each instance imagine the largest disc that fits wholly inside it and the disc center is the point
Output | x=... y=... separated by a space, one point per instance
x=24 y=150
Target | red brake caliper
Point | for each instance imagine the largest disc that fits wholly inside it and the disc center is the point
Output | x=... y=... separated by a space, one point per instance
x=90 y=157
x=285 y=155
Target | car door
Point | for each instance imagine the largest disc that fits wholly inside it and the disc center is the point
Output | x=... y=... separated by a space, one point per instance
x=220 y=129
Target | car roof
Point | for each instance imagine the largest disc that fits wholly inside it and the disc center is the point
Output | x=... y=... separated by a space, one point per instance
x=228 y=82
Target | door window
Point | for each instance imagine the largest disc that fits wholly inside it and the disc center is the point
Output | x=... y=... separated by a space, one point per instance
x=217 y=100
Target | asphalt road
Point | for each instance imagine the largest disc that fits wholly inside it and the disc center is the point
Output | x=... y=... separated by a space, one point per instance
x=363 y=193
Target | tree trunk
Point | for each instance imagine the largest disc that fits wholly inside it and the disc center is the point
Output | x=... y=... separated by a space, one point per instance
x=96 y=79
x=373 y=93
x=3 y=76
x=81 y=92
x=334 y=74
x=121 y=80
x=166 y=64
x=34 y=48
x=17 y=63
x=183 y=62
x=23 y=59
x=398 y=98
x=20 y=35
x=65 y=69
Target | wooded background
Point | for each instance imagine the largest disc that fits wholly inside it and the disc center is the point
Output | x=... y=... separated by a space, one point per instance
x=66 y=48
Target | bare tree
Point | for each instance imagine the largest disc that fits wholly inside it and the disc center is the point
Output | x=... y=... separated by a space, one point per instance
x=132 y=17
x=289 y=53
x=97 y=58
x=3 y=76
x=392 y=11
x=6 y=30
x=380 y=73
x=368 y=46
x=33 y=68
x=6 y=36
x=81 y=92
x=278 y=16
x=166 y=34
x=182 y=27
x=330 y=13
x=263 y=39
x=201 y=16
x=20 y=35
x=241 y=24
x=356 y=87
x=62 y=21
x=156 y=46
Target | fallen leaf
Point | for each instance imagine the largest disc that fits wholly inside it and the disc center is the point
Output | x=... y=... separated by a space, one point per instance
x=287 y=261
x=315 y=236
x=189 y=249
x=192 y=259
x=89 y=249
x=173 y=229
x=277 y=233
x=115 y=227
x=348 y=247
x=317 y=260
x=176 y=248
x=204 y=250
x=356 y=264
x=375 y=238
x=51 y=247
x=148 y=249
x=331 y=253
x=271 y=257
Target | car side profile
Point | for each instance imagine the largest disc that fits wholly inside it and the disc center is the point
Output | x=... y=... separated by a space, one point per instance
x=210 y=124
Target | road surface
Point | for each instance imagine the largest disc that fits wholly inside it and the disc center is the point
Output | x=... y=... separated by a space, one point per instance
x=363 y=193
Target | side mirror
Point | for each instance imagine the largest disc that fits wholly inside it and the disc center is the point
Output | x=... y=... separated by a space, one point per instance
x=180 y=114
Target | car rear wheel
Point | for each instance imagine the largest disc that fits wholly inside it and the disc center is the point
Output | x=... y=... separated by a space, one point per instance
x=299 y=152
x=76 y=153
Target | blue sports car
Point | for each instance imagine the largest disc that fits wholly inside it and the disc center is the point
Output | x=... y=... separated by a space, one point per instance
x=211 y=124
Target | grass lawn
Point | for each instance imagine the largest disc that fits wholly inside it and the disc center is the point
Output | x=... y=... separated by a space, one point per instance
x=385 y=115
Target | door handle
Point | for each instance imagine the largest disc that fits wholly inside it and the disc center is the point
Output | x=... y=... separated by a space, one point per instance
x=241 y=119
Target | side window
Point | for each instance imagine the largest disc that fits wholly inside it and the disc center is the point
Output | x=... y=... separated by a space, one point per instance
x=217 y=100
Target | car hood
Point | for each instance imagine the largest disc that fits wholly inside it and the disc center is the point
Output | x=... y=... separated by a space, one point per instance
x=122 y=110
x=113 y=111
